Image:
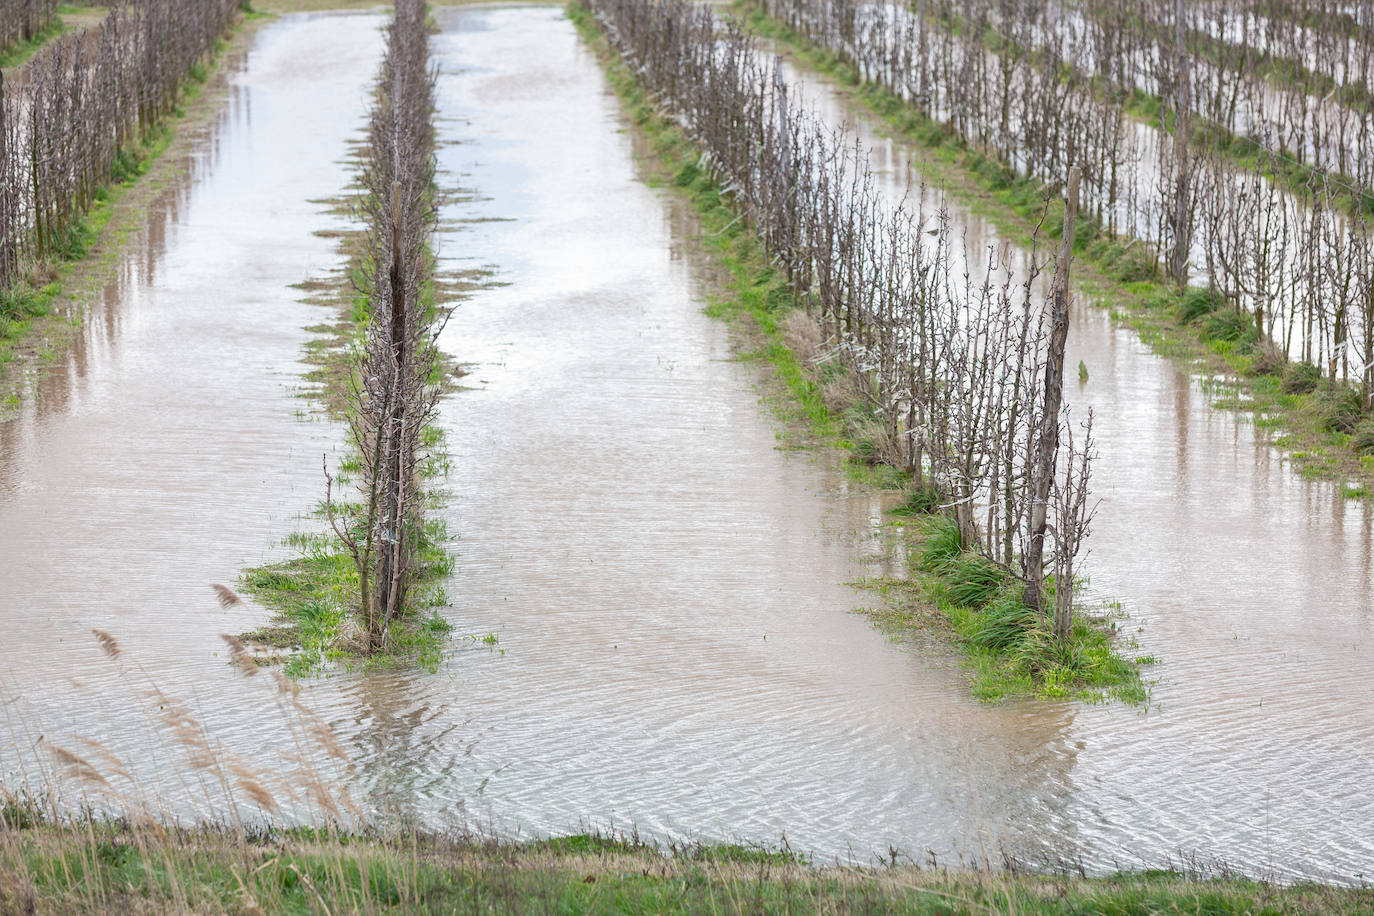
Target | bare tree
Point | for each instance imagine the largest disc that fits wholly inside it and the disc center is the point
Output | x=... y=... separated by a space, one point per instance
x=394 y=394
x=1046 y=443
x=947 y=349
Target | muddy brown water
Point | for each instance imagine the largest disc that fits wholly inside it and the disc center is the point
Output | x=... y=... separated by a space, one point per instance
x=676 y=652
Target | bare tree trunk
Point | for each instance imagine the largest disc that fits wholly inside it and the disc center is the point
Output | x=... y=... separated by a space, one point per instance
x=1047 y=439
x=1182 y=210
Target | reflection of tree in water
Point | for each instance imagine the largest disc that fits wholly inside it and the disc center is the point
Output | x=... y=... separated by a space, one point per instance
x=1011 y=787
x=124 y=280
x=410 y=749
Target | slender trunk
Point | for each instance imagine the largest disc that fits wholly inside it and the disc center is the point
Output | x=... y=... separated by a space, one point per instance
x=393 y=559
x=1182 y=211
x=1047 y=439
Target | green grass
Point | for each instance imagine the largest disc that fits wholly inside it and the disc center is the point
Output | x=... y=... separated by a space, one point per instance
x=314 y=597
x=964 y=589
x=18 y=53
x=103 y=867
x=1006 y=648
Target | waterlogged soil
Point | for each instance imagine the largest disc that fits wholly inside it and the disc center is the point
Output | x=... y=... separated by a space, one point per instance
x=674 y=649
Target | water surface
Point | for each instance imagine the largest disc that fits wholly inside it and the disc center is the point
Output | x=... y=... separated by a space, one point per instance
x=666 y=579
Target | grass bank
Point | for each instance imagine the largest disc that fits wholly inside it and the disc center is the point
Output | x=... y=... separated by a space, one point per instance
x=40 y=315
x=1315 y=422
x=16 y=53
x=103 y=868
x=1008 y=651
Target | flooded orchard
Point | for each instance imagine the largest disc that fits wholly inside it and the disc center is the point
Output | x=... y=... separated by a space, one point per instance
x=665 y=576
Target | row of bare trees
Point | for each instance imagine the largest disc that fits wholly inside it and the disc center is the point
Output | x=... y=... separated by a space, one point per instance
x=21 y=20
x=954 y=353
x=1293 y=74
x=79 y=103
x=394 y=390
x=1040 y=88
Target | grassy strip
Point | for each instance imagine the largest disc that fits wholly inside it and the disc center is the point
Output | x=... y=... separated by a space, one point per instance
x=1022 y=660
x=33 y=298
x=103 y=868
x=1279 y=69
x=314 y=596
x=1247 y=154
x=1316 y=422
x=15 y=54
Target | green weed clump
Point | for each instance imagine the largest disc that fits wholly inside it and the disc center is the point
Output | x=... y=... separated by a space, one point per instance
x=314 y=597
x=1342 y=410
x=1301 y=378
x=1009 y=648
x=1362 y=437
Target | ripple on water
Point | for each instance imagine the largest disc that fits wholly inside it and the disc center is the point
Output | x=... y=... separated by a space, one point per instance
x=676 y=651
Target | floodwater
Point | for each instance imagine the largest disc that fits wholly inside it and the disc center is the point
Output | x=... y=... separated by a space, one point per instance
x=1254 y=587
x=676 y=652
x=172 y=448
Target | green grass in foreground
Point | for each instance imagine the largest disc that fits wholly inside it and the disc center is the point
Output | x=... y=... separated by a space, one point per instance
x=107 y=868
x=760 y=296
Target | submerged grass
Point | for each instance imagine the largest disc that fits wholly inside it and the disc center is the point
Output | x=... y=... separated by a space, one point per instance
x=960 y=598
x=314 y=597
x=97 y=867
x=1190 y=325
